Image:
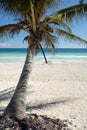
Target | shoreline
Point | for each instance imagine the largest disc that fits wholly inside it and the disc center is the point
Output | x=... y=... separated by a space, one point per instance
x=58 y=90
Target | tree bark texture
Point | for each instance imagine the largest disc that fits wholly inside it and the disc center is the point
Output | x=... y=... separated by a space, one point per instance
x=17 y=105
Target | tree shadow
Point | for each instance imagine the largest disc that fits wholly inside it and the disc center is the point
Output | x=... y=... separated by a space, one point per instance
x=45 y=104
x=7 y=93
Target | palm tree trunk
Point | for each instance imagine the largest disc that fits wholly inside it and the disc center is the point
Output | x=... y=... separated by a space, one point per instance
x=16 y=107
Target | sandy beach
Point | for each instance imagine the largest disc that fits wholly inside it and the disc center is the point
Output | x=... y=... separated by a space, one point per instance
x=58 y=90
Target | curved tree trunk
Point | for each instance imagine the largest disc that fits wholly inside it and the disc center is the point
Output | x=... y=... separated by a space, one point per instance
x=16 y=107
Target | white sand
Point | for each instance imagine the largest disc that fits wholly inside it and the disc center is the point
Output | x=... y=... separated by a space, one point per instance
x=58 y=90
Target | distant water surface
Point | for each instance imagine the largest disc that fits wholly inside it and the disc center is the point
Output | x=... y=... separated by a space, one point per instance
x=61 y=54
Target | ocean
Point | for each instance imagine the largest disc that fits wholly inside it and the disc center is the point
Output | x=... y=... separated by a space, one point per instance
x=61 y=54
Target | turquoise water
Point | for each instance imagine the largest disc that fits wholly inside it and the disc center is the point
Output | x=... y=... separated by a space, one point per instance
x=61 y=54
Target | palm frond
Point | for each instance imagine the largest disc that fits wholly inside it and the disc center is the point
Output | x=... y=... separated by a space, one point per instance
x=26 y=39
x=6 y=29
x=41 y=6
x=39 y=9
x=23 y=22
x=17 y=7
x=52 y=3
x=14 y=7
x=50 y=40
x=11 y=29
x=33 y=15
x=69 y=13
x=56 y=20
x=43 y=53
x=69 y=36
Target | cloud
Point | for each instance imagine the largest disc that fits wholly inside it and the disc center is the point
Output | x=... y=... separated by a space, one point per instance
x=4 y=45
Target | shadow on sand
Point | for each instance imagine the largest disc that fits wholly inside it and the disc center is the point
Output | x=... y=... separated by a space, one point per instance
x=46 y=104
x=7 y=94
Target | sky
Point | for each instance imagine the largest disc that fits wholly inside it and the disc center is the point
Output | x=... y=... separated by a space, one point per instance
x=79 y=28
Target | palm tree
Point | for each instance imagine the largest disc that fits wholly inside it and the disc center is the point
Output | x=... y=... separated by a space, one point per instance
x=31 y=19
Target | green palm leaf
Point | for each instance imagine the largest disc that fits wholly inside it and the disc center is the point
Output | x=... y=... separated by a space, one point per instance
x=43 y=53
x=9 y=29
x=52 y=3
x=69 y=13
x=69 y=36
x=56 y=20
x=17 y=7
x=15 y=28
x=50 y=40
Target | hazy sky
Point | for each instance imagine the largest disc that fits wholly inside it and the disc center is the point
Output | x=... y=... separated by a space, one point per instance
x=79 y=28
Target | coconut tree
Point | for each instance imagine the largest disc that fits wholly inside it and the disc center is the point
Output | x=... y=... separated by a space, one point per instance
x=38 y=27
